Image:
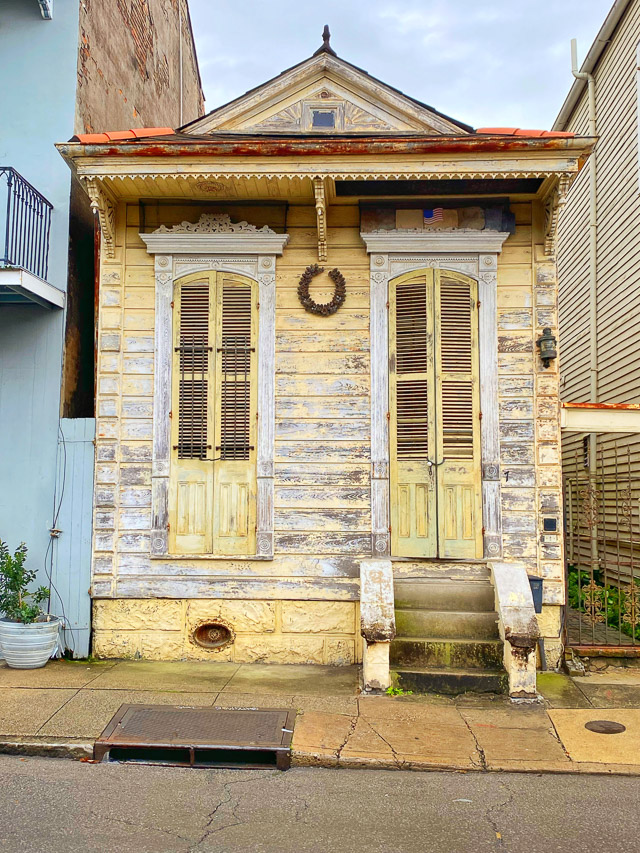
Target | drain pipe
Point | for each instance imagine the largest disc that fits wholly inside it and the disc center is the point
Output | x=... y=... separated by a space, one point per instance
x=593 y=281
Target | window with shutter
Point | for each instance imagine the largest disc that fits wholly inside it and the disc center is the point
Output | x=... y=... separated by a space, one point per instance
x=434 y=417
x=212 y=479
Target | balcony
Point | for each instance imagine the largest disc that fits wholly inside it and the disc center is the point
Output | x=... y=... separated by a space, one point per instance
x=25 y=224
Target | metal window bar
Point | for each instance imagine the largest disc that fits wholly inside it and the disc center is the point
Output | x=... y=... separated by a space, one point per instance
x=193 y=397
x=27 y=225
x=235 y=402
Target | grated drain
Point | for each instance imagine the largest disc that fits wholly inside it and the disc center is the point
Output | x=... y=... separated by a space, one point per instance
x=198 y=737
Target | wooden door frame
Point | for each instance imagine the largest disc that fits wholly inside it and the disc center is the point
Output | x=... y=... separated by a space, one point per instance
x=474 y=254
x=246 y=252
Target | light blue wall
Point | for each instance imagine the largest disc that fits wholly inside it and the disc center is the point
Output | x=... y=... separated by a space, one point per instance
x=38 y=83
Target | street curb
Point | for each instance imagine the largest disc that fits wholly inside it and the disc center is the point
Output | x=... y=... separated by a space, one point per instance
x=48 y=747
x=335 y=762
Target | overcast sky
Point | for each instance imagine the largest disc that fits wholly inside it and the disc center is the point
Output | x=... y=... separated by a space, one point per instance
x=485 y=62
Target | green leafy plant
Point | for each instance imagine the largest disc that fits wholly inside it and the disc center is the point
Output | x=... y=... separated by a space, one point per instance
x=610 y=600
x=16 y=602
x=398 y=691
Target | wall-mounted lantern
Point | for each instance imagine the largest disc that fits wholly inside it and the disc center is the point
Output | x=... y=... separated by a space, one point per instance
x=547 y=344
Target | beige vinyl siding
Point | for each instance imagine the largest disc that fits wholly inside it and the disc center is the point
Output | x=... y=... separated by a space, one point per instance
x=618 y=250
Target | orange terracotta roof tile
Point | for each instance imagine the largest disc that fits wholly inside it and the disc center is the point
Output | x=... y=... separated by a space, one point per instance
x=120 y=135
x=518 y=131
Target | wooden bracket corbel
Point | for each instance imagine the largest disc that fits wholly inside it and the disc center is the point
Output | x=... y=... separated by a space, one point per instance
x=103 y=207
x=321 y=216
x=553 y=205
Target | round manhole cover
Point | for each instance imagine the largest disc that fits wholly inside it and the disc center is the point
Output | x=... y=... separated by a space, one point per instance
x=605 y=727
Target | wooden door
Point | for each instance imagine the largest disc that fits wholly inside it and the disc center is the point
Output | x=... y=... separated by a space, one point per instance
x=434 y=416
x=212 y=477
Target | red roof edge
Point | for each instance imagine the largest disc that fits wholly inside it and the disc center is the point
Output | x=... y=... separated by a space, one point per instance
x=518 y=131
x=120 y=135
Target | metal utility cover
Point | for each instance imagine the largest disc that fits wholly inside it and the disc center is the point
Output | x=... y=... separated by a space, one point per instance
x=202 y=736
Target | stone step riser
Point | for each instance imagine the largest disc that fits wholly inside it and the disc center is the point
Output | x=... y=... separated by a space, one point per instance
x=450 y=683
x=446 y=654
x=473 y=597
x=446 y=624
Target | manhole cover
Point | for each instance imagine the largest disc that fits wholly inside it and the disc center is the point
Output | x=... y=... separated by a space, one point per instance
x=204 y=737
x=605 y=727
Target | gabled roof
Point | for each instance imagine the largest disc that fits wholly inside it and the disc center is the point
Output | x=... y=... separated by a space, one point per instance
x=325 y=83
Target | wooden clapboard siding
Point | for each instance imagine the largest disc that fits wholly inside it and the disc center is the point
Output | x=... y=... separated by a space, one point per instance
x=618 y=261
x=322 y=497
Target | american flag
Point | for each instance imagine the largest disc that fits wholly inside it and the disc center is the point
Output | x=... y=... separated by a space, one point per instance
x=434 y=215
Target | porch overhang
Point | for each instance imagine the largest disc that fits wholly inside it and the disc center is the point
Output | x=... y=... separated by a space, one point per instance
x=600 y=417
x=17 y=286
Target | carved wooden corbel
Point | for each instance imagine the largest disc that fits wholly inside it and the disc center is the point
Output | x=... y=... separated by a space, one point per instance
x=554 y=202
x=321 y=215
x=103 y=207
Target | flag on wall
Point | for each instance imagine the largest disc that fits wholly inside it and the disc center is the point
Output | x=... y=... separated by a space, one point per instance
x=434 y=215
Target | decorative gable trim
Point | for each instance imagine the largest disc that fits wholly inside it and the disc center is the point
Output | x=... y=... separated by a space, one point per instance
x=341 y=80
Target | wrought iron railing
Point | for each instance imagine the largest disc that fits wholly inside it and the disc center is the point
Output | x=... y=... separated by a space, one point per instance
x=25 y=224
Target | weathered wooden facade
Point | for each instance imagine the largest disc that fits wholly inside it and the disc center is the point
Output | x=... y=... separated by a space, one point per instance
x=260 y=465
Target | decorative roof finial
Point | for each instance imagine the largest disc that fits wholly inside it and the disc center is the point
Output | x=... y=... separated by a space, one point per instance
x=326 y=46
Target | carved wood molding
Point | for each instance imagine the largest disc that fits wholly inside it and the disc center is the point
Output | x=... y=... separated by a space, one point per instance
x=168 y=268
x=103 y=208
x=321 y=217
x=553 y=204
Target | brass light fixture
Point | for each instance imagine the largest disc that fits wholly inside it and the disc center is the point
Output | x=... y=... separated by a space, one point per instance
x=547 y=344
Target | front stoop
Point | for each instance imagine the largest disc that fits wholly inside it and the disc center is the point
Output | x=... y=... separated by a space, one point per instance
x=447 y=637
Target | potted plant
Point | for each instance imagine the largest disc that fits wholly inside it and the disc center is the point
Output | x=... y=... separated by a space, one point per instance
x=27 y=635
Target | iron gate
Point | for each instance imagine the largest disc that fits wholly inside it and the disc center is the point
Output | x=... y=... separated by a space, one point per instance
x=602 y=532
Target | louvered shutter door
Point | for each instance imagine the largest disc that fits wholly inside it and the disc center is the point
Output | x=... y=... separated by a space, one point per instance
x=191 y=480
x=411 y=387
x=235 y=417
x=459 y=496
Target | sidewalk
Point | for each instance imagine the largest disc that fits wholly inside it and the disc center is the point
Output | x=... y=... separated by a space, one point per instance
x=61 y=709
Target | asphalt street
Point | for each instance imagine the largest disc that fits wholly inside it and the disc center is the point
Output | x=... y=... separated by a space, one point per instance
x=61 y=805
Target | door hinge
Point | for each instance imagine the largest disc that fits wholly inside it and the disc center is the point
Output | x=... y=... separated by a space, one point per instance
x=173 y=304
x=387 y=306
x=479 y=416
x=389 y=528
x=483 y=531
x=388 y=416
x=478 y=303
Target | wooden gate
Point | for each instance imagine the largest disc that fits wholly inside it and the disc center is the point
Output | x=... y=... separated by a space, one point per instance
x=602 y=534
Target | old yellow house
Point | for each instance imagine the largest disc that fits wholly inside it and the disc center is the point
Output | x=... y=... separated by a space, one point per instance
x=284 y=448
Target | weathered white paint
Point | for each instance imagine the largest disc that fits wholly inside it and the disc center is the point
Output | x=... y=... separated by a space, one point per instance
x=179 y=252
x=612 y=418
x=392 y=253
x=377 y=621
x=518 y=626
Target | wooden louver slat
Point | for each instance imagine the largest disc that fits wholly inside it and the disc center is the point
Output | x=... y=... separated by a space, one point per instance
x=456 y=355
x=235 y=390
x=412 y=426
x=194 y=354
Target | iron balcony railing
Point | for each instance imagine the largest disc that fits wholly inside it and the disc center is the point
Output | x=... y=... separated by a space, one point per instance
x=25 y=224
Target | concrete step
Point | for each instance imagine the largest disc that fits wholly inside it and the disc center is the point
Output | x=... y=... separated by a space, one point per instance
x=446 y=623
x=454 y=595
x=442 y=654
x=450 y=682
x=441 y=569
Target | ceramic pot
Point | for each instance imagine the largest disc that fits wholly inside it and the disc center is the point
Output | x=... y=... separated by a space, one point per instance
x=28 y=646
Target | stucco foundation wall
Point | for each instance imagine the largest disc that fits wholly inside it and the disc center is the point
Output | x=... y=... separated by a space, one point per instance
x=302 y=632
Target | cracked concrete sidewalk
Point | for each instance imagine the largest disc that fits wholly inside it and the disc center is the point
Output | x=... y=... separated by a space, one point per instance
x=61 y=709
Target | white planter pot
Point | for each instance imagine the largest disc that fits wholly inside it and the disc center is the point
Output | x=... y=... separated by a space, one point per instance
x=28 y=646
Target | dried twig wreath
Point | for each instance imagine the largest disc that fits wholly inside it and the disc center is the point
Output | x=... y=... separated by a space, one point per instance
x=339 y=293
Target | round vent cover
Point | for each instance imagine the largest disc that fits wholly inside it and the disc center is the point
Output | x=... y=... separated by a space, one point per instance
x=213 y=635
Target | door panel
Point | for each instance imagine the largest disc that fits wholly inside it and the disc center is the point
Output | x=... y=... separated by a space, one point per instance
x=458 y=435
x=412 y=424
x=434 y=416
x=212 y=490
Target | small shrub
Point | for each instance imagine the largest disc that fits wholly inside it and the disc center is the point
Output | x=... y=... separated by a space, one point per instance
x=398 y=691
x=16 y=602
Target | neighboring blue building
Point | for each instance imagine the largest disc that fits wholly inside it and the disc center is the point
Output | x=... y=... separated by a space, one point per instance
x=58 y=76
